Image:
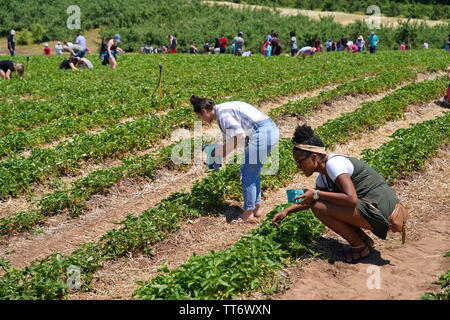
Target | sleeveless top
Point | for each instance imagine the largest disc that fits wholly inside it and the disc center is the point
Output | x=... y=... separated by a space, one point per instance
x=376 y=200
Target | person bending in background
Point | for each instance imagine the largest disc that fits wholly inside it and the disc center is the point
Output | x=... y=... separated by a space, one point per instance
x=70 y=63
x=349 y=196
x=306 y=51
x=7 y=67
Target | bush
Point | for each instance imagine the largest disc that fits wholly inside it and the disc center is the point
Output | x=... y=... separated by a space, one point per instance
x=24 y=37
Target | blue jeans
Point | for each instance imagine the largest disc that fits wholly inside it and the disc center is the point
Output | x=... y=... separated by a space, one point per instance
x=264 y=137
x=81 y=53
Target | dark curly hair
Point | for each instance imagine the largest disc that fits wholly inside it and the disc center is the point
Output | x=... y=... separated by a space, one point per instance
x=201 y=103
x=304 y=134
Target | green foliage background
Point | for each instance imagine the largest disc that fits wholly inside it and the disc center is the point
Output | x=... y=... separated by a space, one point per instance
x=150 y=21
x=422 y=9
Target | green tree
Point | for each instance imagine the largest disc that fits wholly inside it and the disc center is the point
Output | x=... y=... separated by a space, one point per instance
x=39 y=32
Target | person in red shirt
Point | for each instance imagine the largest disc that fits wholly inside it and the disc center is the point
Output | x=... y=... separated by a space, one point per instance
x=46 y=49
x=223 y=44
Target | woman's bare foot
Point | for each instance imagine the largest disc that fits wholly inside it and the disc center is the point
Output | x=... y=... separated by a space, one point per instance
x=257 y=211
x=246 y=217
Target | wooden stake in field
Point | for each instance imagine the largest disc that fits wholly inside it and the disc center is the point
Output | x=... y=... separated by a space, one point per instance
x=161 y=90
x=323 y=53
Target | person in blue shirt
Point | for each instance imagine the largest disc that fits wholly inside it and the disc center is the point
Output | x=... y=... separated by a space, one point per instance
x=373 y=42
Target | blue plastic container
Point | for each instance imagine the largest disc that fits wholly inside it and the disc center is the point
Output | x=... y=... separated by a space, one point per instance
x=294 y=193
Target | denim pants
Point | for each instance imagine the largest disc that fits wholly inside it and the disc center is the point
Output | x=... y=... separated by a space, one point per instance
x=81 y=53
x=264 y=137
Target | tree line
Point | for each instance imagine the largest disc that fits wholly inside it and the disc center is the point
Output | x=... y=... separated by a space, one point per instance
x=142 y=22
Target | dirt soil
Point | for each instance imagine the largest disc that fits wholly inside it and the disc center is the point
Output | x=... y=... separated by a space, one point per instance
x=339 y=17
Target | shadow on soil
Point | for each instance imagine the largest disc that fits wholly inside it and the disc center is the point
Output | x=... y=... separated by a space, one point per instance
x=333 y=251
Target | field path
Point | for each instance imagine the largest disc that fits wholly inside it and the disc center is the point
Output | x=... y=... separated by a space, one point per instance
x=339 y=17
x=406 y=271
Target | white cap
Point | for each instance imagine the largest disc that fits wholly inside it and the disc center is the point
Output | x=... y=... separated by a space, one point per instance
x=45 y=44
x=13 y=32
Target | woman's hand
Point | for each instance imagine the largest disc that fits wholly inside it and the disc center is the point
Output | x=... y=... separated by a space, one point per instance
x=308 y=196
x=278 y=217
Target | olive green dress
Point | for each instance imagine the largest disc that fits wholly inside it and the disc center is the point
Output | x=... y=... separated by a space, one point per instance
x=376 y=200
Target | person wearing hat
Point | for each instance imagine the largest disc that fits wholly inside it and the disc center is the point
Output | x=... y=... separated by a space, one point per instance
x=373 y=42
x=349 y=195
x=46 y=49
x=7 y=67
x=112 y=49
x=306 y=51
x=238 y=44
x=58 y=48
x=11 y=43
x=360 y=43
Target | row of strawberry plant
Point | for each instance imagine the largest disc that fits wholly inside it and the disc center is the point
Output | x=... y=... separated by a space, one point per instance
x=48 y=158
x=180 y=71
x=374 y=114
x=67 y=125
x=73 y=200
x=395 y=158
x=252 y=263
x=28 y=114
x=20 y=140
x=18 y=174
x=139 y=233
x=383 y=81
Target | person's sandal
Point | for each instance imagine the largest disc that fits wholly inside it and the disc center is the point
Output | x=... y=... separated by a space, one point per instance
x=357 y=253
x=369 y=242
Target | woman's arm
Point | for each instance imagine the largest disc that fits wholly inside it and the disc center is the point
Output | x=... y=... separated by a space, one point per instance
x=108 y=48
x=346 y=198
x=224 y=150
x=8 y=74
x=301 y=206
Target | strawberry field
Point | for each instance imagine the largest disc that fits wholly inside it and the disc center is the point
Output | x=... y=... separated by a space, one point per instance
x=87 y=179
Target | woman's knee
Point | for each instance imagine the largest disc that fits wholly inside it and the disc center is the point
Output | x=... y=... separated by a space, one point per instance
x=319 y=209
